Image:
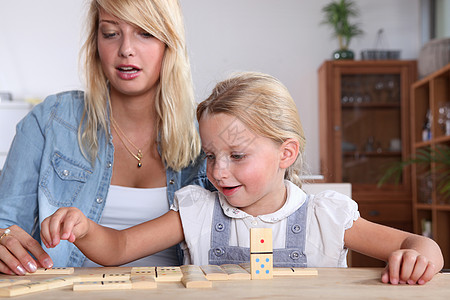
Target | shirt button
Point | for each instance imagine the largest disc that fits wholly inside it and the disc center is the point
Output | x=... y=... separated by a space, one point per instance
x=254 y=222
x=99 y=200
x=109 y=165
x=171 y=181
x=66 y=173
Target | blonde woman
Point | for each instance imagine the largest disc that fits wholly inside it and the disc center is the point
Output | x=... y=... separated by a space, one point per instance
x=253 y=141
x=117 y=152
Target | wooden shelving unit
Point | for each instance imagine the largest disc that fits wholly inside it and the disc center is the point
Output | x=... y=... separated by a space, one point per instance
x=431 y=210
x=364 y=129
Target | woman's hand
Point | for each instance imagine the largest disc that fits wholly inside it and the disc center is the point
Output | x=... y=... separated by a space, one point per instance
x=67 y=223
x=408 y=266
x=15 y=248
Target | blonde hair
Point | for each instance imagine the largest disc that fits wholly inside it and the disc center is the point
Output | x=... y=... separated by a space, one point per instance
x=265 y=106
x=175 y=106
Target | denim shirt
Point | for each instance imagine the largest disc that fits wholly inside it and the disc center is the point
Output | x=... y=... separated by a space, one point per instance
x=45 y=170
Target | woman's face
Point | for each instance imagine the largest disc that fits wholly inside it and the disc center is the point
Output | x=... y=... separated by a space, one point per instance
x=131 y=58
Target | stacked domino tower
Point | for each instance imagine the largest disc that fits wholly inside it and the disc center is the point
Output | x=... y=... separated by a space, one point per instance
x=261 y=253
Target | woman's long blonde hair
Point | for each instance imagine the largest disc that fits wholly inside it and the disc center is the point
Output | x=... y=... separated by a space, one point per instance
x=175 y=106
x=265 y=106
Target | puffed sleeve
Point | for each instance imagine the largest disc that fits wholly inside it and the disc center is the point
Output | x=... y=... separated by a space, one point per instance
x=330 y=214
x=195 y=205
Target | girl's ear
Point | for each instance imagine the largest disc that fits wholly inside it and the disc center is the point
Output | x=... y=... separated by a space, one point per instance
x=289 y=152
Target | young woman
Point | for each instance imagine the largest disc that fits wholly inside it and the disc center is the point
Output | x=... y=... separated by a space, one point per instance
x=119 y=151
x=254 y=142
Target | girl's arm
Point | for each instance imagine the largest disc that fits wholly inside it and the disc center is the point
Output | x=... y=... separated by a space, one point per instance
x=411 y=258
x=107 y=246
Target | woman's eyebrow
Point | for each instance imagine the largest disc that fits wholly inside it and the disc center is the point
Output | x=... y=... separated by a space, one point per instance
x=109 y=21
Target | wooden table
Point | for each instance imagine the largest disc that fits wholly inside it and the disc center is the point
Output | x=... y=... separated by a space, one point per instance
x=331 y=283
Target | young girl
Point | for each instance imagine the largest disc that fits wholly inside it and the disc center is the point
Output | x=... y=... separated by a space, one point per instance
x=253 y=141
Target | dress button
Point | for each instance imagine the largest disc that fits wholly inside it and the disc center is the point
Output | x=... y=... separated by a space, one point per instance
x=296 y=228
x=99 y=200
x=219 y=227
x=295 y=255
x=66 y=173
x=219 y=251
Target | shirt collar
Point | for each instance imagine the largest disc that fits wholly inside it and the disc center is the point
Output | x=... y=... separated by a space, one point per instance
x=295 y=198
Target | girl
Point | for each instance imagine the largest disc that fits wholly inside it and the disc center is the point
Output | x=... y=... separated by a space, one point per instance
x=253 y=141
x=131 y=135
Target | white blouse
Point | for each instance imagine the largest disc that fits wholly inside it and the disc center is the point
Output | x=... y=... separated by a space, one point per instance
x=126 y=207
x=329 y=215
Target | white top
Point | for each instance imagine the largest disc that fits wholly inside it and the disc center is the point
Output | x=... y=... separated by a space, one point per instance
x=126 y=207
x=329 y=215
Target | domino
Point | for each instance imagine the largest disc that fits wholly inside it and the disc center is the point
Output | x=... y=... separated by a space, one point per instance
x=143 y=271
x=22 y=289
x=102 y=285
x=52 y=271
x=214 y=272
x=261 y=266
x=236 y=272
x=261 y=253
x=261 y=240
x=294 y=272
x=193 y=277
x=58 y=282
x=168 y=274
x=143 y=282
x=104 y=277
x=9 y=282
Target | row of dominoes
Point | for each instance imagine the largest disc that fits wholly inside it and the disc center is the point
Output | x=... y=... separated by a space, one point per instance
x=139 y=278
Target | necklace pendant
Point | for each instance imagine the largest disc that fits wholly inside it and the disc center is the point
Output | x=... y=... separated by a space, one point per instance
x=139 y=164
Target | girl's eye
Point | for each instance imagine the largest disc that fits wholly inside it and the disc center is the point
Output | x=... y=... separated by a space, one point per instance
x=237 y=156
x=209 y=156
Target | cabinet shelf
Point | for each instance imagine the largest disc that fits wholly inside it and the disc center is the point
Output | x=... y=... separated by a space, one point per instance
x=428 y=97
x=371 y=105
x=371 y=153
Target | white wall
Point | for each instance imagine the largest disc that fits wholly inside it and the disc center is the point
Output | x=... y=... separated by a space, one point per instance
x=39 y=43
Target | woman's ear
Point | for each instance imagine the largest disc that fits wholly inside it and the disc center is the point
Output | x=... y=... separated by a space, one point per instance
x=289 y=152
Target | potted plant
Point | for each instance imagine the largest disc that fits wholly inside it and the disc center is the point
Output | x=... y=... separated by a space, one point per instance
x=440 y=156
x=337 y=14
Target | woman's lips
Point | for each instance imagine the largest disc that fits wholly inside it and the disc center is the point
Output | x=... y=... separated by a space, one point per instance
x=128 y=72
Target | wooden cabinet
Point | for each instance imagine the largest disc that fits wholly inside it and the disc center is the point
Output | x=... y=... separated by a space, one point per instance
x=431 y=210
x=364 y=124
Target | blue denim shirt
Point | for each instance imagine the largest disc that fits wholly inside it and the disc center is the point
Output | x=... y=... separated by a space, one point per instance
x=45 y=170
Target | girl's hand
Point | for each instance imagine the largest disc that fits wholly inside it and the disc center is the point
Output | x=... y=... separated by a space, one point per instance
x=67 y=223
x=408 y=266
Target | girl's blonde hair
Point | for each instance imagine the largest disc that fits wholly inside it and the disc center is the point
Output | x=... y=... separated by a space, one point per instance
x=265 y=106
x=175 y=106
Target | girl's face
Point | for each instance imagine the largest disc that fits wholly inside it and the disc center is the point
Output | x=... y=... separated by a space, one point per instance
x=243 y=166
x=130 y=57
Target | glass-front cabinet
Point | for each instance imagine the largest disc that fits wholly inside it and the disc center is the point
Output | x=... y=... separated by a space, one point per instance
x=364 y=121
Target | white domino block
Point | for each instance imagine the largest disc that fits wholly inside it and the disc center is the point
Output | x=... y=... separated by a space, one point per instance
x=102 y=285
x=214 y=272
x=168 y=274
x=22 y=289
x=193 y=277
x=9 y=282
x=52 y=271
x=104 y=277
